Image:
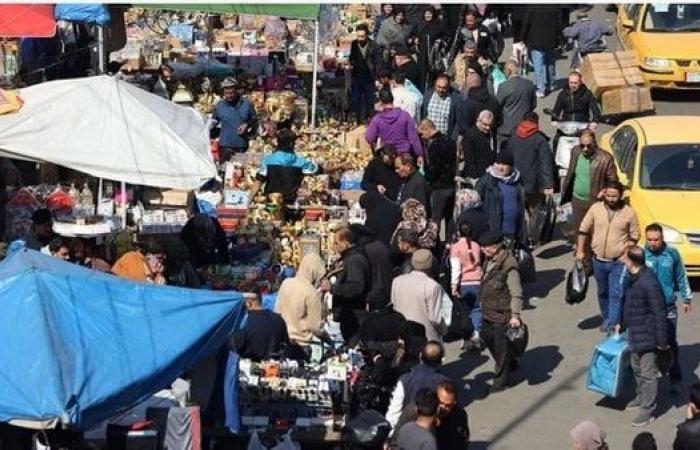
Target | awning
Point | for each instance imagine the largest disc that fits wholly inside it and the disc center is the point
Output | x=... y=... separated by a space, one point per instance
x=306 y=11
x=17 y=20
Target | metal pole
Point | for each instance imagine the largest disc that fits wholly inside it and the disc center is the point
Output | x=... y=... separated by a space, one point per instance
x=125 y=204
x=101 y=48
x=99 y=196
x=314 y=78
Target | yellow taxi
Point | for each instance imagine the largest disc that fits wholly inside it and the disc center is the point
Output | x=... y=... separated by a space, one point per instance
x=666 y=39
x=658 y=159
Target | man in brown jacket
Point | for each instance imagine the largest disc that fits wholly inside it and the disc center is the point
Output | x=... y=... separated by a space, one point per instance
x=612 y=226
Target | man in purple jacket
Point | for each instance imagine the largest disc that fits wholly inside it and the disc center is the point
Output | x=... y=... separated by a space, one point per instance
x=394 y=127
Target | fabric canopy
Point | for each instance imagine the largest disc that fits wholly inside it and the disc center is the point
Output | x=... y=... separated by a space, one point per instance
x=305 y=11
x=27 y=21
x=79 y=346
x=90 y=13
x=111 y=129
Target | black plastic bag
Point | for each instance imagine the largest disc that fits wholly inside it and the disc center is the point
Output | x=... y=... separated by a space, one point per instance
x=526 y=265
x=576 y=285
x=369 y=428
x=461 y=325
x=518 y=339
x=550 y=220
x=664 y=360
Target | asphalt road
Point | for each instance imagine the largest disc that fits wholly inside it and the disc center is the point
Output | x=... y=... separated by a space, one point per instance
x=550 y=395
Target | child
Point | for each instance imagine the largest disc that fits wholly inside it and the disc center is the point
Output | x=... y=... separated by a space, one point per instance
x=466 y=273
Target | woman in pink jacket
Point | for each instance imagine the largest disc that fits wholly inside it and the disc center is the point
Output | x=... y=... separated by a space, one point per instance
x=466 y=273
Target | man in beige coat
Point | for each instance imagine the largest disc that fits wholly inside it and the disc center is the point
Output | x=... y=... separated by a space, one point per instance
x=418 y=297
x=300 y=303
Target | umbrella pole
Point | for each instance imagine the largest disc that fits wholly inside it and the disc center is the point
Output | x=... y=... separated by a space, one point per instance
x=124 y=205
x=314 y=77
x=101 y=48
x=99 y=195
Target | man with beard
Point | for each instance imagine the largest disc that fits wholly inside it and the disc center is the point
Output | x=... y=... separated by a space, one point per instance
x=612 y=226
x=477 y=146
x=236 y=115
x=413 y=183
x=364 y=63
x=459 y=69
x=478 y=99
x=440 y=106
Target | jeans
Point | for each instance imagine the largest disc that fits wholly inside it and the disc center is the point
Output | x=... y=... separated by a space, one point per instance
x=607 y=276
x=469 y=297
x=645 y=375
x=362 y=90
x=545 y=73
x=442 y=203
x=672 y=332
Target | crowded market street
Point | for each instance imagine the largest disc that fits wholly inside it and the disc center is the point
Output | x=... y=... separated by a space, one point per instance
x=552 y=396
x=349 y=226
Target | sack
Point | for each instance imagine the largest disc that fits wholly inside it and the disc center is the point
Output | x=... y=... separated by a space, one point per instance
x=370 y=428
x=460 y=326
x=610 y=366
x=518 y=339
x=526 y=265
x=447 y=309
x=576 y=285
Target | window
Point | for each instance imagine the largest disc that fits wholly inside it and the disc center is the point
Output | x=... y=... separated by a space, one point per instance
x=671 y=17
x=633 y=12
x=621 y=143
x=673 y=166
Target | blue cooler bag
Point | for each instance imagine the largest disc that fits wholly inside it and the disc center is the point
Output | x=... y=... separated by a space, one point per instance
x=610 y=366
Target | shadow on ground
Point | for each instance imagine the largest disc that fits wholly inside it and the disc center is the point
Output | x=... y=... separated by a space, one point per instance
x=546 y=281
x=555 y=252
x=591 y=323
x=537 y=365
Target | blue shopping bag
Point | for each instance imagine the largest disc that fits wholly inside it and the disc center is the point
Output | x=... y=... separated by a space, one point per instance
x=610 y=366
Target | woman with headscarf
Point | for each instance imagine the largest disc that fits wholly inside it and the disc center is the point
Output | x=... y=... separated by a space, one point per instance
x=416 y=219
x=301 y=306
x=588 y=436
x=430 y=29
x=469 y=202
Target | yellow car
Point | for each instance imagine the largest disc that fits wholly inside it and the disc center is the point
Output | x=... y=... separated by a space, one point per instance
x=658 y=159
x=666 y=39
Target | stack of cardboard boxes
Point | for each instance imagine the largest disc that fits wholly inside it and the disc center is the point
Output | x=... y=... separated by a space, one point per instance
x=615 y=78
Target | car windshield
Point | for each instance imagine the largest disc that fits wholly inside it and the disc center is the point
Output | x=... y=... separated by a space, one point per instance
x=673 y=166
x=672 y=17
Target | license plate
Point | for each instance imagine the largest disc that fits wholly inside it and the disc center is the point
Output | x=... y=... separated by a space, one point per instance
x=692 y=77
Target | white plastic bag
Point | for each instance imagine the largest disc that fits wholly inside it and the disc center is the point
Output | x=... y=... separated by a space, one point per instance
x=446 y=310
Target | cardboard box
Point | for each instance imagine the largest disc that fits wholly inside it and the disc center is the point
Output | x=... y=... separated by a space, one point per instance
x=631 y=99
x=610 y=70
x=633 y=75
x=356 y=139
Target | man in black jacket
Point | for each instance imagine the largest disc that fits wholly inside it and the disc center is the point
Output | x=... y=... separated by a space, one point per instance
x=440 y=170
x=265 y=334
x=577 y=103
x=534 y=160
x=478 y=99
x=382 y=214
x=379 y=175
x=688 y=433
x=414 y=185
x=379 y=257
x=452 y=423
x=408 y=67
x=477 y=147
x=540 y=31
x=352 y=284
x=364 y=60
x=644 y=316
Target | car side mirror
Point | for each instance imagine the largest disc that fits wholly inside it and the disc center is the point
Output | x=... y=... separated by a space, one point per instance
x=628 y=24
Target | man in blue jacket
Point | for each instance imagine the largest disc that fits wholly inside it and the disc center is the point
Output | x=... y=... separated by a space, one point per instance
x=644 y=316
x=666 y=262
x=236 y=117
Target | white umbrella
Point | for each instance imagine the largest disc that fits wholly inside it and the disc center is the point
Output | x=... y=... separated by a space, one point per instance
x=110 y=129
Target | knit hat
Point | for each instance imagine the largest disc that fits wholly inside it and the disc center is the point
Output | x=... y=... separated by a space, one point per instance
x=588 y=435
x=490 y=237
x=644 y=441
x=422 y=260
x=504 y=157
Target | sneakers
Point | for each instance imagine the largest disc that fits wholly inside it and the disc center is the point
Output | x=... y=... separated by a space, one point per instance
x=634 y=404
x=643 y=419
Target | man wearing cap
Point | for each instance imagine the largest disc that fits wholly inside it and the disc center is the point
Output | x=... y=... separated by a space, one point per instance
x=418 y=297
x=41 y=231
x=502 y=192
x=236 y=116
x=501 y=300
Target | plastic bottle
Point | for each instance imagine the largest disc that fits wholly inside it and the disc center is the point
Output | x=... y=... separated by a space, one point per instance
x=86 y=198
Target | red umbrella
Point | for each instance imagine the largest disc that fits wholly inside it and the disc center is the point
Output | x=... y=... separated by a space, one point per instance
x=18 y=20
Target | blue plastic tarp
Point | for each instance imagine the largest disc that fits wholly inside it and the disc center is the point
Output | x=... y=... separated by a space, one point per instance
x=81 y=346
x=90 y=13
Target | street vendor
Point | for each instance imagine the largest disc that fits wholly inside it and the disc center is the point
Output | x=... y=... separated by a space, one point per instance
x=283 y=170
x=236 y=117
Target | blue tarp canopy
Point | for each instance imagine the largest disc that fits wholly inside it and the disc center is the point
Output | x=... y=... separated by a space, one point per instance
x=79 y=346
x=90 y=13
